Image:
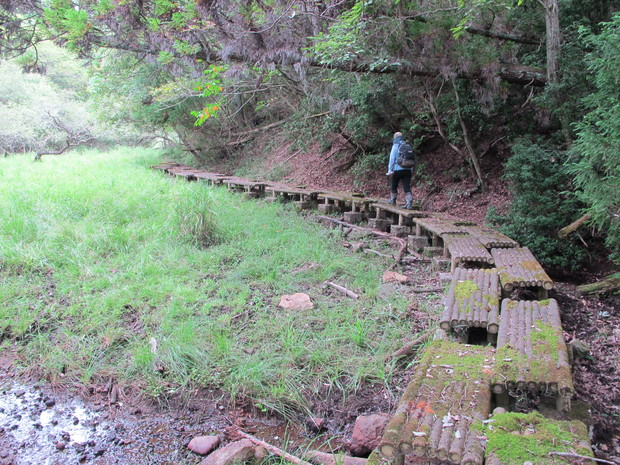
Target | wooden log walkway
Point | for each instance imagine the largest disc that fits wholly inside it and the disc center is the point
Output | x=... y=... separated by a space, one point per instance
x=435 y=414
x=518 y=268
x=531 y=350
x=473 y=301
x=467 y=250
x=455 y=384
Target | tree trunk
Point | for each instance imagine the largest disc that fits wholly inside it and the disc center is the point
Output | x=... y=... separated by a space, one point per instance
x=469 y=143
x=553 y=40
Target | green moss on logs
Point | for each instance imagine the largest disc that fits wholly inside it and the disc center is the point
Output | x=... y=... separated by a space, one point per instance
x=515 y=438
x=465 y=289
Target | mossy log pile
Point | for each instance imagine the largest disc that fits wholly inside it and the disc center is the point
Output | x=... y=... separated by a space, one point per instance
x=531 y=352
x=473 y=300
x=441 y=417
x=434 y=418
x=519 y=268
x=467 y=249
x=489 y=238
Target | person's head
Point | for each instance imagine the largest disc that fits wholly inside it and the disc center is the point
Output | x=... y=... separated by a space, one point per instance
x=397 y=135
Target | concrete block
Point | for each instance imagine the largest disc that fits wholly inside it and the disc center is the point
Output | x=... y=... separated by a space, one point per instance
x=303 y=205
x=440 y=265
x=354 y=217
x=400 y=231
x=325 y=208
x=380 y=224
x=417 y=242
x=432 y=251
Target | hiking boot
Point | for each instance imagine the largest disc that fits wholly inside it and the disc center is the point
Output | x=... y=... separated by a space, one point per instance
x=408 y=199
x=392 y=200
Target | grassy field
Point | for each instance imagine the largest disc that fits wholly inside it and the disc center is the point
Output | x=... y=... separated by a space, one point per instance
x=109 y=269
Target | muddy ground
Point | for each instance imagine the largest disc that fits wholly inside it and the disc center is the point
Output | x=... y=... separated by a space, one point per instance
x=106 y=424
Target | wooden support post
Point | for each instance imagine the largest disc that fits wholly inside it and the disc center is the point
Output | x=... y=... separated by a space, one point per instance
x=503 y=400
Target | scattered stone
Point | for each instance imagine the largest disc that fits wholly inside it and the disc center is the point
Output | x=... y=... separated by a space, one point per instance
x=260 y=453
x=358 y=246
x=49 y=402
x=386 y=291
x=499 y=410
x=579 y=348
x=20 y=393
x=237 y=451
x=394 y=277
x=60 y=446
x=298 y=301
x=316 y=424
x=367 y=433
x=203 y=445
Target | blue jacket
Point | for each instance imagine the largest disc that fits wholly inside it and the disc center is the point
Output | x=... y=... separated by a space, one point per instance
x=392 y=165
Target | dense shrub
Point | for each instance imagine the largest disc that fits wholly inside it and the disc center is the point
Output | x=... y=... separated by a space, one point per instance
x=540 y=206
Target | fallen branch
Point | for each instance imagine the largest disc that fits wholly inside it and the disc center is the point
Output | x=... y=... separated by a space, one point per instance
x=420 y=290
x=609 y=284
x=580 y=457
x=323 y=458
x=273 y=449
x=402 y=242
x=410 y=348
x=574 y=226
x=378 y=253
x=344 y=290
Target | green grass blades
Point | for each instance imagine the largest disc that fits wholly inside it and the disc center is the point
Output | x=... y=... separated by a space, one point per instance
x=110 y=269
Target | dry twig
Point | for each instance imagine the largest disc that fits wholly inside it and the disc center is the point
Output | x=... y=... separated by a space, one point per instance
x=342 y=289
x=273 y=449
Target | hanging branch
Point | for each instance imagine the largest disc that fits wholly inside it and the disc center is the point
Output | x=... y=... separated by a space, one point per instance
x=75 y=138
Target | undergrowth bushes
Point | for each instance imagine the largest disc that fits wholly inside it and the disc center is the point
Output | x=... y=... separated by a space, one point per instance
x=541 y=205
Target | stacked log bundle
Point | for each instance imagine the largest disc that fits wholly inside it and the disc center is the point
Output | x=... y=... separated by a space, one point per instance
x=473 y=300
x=434 y=418
x=490 y=238
x=517 y=267
x=439 y=226
x=466 y=249
x=531 y=352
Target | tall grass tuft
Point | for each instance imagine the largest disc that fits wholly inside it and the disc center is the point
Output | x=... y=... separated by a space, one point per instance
x=197 y=219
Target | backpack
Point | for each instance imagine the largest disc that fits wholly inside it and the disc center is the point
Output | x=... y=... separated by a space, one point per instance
x=405 y=158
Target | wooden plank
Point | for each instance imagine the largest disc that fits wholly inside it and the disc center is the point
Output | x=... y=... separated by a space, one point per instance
x=531 y=350
x=434 y=416
x=472 y=301
x=464 y=249
x=439 y=226
x=518 y=268
x=488 y=237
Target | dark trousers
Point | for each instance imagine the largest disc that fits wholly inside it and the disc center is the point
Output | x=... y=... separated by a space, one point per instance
x=405 y=177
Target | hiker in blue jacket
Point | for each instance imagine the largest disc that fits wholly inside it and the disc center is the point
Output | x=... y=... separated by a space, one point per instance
x=399 y=173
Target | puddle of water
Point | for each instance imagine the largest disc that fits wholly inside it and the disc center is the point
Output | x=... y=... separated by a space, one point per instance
x=46 y=434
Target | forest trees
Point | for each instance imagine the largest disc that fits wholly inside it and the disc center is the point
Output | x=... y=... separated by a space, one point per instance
x=475 y=75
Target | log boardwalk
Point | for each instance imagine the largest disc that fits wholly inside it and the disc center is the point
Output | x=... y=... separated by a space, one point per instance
x=441 y=416
x=531 y=351
x=465 y=250
x=473 y=301
x=518 y=268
